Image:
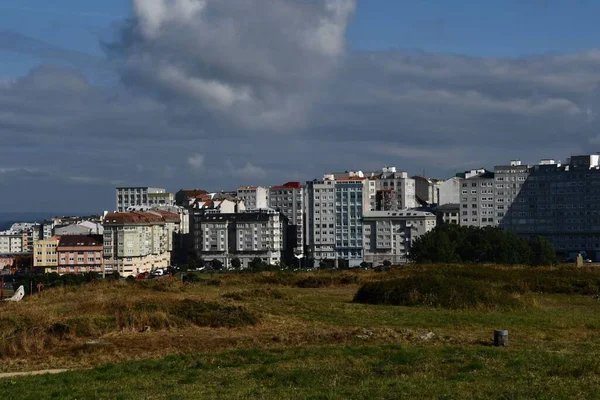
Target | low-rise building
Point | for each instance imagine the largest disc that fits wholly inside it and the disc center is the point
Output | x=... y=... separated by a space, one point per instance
x=138 y=242
x=388 y=235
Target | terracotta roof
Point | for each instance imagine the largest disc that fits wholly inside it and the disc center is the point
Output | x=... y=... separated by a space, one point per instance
x=80 y=240
x=289 y=185
x=134 y=217
x=352 y=178
x=167 y=216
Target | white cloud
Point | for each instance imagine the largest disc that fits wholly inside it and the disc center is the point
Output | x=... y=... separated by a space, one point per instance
x=196 y=161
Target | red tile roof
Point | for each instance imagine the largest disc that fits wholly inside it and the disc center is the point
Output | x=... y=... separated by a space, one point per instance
x=289 y=185
x=139 y=218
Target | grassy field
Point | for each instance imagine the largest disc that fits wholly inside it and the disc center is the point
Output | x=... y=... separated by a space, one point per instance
x=291 y=336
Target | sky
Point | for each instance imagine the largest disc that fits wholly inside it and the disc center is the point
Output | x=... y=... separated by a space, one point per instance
x=219 y=93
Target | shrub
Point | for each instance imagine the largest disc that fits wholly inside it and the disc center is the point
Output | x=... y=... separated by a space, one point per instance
x=437 y=291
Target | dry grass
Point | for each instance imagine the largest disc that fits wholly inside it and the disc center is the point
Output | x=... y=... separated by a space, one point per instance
x=106 y=322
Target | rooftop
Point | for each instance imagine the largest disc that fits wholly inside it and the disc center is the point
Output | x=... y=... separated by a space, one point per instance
x=80 y=240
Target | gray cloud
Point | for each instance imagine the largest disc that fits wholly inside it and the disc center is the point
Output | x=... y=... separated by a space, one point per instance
x=220 y=93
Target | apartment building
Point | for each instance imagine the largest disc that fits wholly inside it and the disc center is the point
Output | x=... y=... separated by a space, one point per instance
x=449 y=191
x=289 y=200
x=477 y=205
x=334 y=218
x=254 y=197
x=81 y=228
x=138 y=242
x=244 y=235
x=78 y=254
x=427 y=190
x=45 y=255
x=142 y=196
x=448 y=214
x=558 y=201
x=12 y=242
x=509 y=180
x=388 y=235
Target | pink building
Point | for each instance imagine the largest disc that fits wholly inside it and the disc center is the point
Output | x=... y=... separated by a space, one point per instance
x=80 y=253
x=6 y=261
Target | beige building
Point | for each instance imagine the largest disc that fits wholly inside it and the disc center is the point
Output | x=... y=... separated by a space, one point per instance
x=45 y=254
x=138 y=242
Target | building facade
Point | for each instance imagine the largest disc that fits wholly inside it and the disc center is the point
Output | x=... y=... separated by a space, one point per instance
x=335 y=209
x=477 y=203
x=45 y=254
x=560 y=202
x=78 y=254
x=142 y=196
x=289 y=200
x=138 y=242
x=448 y=214
x=254 y=197
x=244 y=235
x=388 y=235
x=11 y=242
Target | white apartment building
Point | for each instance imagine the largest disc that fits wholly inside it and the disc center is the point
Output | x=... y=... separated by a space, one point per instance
x=254 y=197
x=142 y=196
x=477 y=201
x=138 y=242
x=244 y=235
x=388 y=235
x=334 y=218
x=11 y=242
x=289 y=200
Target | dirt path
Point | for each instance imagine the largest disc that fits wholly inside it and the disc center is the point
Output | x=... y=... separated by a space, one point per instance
x=29 y=373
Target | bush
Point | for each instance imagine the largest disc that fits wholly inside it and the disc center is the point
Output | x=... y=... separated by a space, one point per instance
x=437 y=291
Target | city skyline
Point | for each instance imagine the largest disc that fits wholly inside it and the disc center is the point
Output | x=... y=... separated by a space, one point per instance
x=122 y=93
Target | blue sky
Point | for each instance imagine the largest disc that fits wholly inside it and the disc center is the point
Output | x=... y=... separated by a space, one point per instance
x=217 y=97
x=501 y=28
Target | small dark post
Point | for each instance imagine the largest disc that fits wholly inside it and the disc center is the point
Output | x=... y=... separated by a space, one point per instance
x=501 y=338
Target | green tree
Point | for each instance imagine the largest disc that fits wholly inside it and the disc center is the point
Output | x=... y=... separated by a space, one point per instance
x=256 y=265
x=236 y=264
x=542 y=251
x=216 y=265
x=387 y=263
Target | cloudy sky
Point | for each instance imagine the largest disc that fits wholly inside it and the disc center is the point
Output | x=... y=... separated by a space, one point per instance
x=219 y=93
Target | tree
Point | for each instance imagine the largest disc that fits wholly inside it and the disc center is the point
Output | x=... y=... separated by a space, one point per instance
x=542 y=251
x=387 y=263
x=236 y=264
x=216 y=265
x=364 y=265
x=256 y=265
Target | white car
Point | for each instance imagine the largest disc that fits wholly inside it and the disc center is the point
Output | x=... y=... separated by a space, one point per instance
x=158 y=272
